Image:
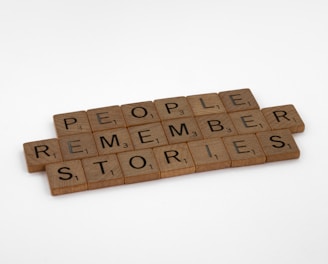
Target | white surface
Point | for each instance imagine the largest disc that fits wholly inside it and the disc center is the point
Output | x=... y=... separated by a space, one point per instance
x=62 y=56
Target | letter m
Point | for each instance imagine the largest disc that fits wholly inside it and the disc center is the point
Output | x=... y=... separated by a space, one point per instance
x=104 y=141
x=183 y=129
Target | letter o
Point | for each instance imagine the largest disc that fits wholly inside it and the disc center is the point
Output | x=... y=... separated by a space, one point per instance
x=137 y=165
x=139 y=114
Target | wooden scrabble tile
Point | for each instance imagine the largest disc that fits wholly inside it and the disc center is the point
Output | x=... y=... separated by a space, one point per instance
x=181 y=130
x=144 y=141
x=216 y=125
x=138 y=166
x=238 y=100
x=113 y=141
x=66 y=177
x=78 y=146
x=71 y=123
x=284 y=116
x=140 y=113
x=278 y=145
x=102 y=171
x=105 y=118
x=176 y=107
x=244 y=150
x=40 y=153
x=209 y=154
x=148 y=136
x=204 y=104
x=249 y=121
x=174 y=160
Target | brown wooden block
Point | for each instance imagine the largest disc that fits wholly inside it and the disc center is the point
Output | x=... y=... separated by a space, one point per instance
x=284 y=116
x=40 y=153
x=181 y=130
x=78 y=146
x=148 y=136
x=105 y=118
x=140 y=113
x=238 y=100
x=102 y=171
x=176 y=107
x=113 y=141
x=216 y=125
x=204 y=104
x=66 y=177
x=138 y=166
x=249 y=121
x=209 y=154
x=71 y=123
x=278 y=145
x=244 y=150
x=174 y=160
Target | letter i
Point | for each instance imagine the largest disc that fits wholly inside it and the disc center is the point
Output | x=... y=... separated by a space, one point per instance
x=208 y=151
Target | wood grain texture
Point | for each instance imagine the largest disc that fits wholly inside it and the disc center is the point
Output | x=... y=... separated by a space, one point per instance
x=181 y=130
x=174 y=160
x=175 y=107
x=238 y=100
x=105 y=118
x=244 y=150
x=216 y=125
x=140 y=113
x=113 y=141
x=136 y=142
x=139 y=166
x=209 y=154
x=249 y=121
x=205 y=104
x=72 y=123
x=78 y=146
x=66 y=177
x=40 y=153
x=102 y=171
x=284 y=116
x=278 y=145
x=148 y=136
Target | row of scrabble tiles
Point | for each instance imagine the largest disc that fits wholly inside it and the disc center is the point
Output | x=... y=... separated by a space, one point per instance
x=168 y=137
x=171 y=160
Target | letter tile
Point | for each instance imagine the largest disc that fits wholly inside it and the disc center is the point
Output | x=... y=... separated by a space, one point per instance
x=102 y=171
x=238 y=100
x=284 y=116
x=71 y=123
x=209 y=154
x=216 y=125
x=140 y=113
x=278 y=145
x=204 y=104
x=113 y=141
x=105 y=118
x=40 y=153
x=244 y=150
x=148 y=136
x=170 y=108
x=181 y=130
x=138 y=166
x=174 y=160
x=250 y=121
x=66 y=177
x=167 y=137
x=78 y=146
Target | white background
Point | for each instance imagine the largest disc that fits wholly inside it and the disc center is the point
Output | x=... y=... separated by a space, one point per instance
x=62 y=56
